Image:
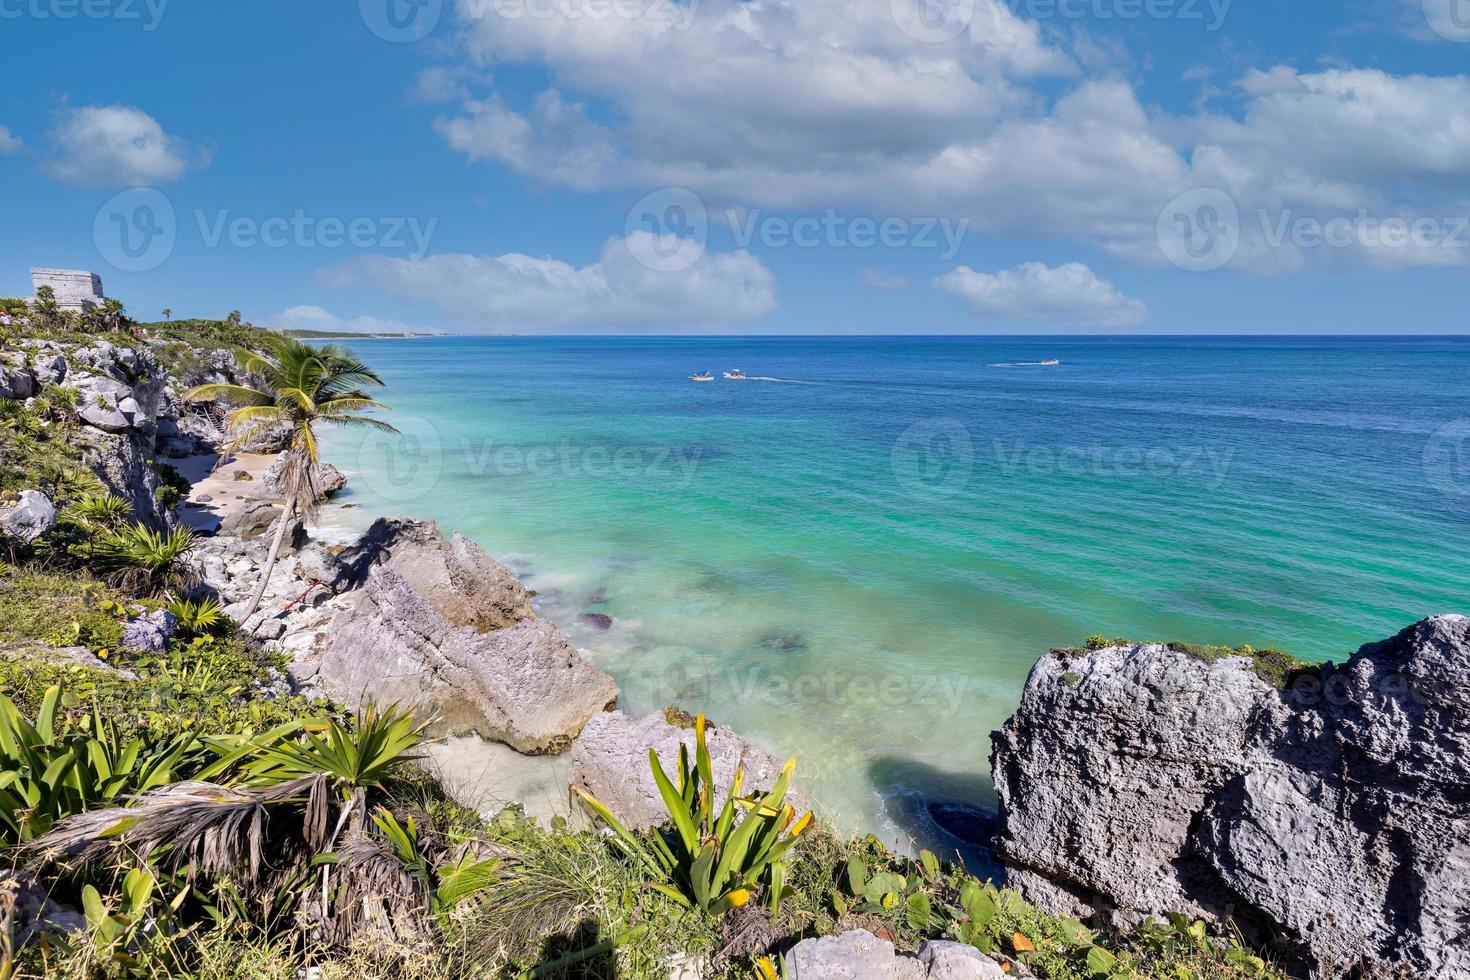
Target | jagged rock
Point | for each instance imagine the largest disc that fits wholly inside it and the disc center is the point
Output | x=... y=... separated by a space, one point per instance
x=49 y=368
x=266 y=440
x=107 y=404
x=251 y=520
x=316 y=564
x=523 y=685
x=30 y=518
x=123 y=462
x=149 y=632
x=610 y=761
x=16 y=383
x=466 y=586
x=943 y=960
x=200 y=428
x=329 y=479
x=1330 y=820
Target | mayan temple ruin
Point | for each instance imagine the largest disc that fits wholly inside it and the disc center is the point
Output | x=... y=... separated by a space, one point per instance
x=75 y=289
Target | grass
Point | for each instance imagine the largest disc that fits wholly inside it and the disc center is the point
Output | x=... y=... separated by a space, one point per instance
x=1276 y=667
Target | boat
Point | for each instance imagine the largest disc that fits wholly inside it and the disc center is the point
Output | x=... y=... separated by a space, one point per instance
x=735 y=374
x=702 y=376
x=1053 y=362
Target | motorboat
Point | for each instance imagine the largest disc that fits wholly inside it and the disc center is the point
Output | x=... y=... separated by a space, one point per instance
x=702 y=376
x=735 y=374
x=1053 y=362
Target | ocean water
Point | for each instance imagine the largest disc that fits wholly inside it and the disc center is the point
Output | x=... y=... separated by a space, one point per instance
x=856 y=557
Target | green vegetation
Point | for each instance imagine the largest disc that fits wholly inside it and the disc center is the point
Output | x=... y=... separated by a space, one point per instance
x=145 y=561
x=1273 y=666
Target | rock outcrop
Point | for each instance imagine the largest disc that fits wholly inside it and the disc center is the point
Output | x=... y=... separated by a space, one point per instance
x=523 y=685
x=610 y=761
x=329 y=479
x=455 y=576
x=1330 y=820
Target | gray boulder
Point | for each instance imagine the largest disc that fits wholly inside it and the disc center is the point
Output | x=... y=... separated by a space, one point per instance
x=455 y=576
x=30 y=518
x=329 y=479
x=943 y=960
x=855 y=955
x=610 y=761
x=16 y=383
x=1330 y=820
x=149 y=632
x=265 y=440
x=49 y=367
x=523 y=685
x=250 y=520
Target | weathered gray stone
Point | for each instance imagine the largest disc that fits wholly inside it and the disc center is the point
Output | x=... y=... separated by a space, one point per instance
x=523 y=685
x=943 y=960
x=855 y=955
x=456 y=577
x=265 y=440
x=32 y=516
x=1330 y=820
x=610 y=761
x=329 y=479
x=123 y=462
x=49 y=367
x=251 y=520
x=148 y=633
x=16 y=383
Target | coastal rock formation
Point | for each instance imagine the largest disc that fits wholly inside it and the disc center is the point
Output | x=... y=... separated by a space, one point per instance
x=860 y=955
x=523 y=685
x=32 y=516
x=610 y=761
x=455 y=576
x=1329 y=819
x=329 y=479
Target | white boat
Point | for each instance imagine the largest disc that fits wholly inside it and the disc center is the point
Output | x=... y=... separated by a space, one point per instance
x=735 y=375
x=702 y=376
x=1050 y=363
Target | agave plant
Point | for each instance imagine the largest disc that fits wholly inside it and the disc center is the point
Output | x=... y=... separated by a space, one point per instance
x=147 y=562
x=103 y=512
x=48 y=773
x=714 y=861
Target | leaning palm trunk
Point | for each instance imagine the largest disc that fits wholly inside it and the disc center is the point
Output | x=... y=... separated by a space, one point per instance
x=282 y=523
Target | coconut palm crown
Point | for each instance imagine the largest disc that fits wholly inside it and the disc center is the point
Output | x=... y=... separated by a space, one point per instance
x=301 y=386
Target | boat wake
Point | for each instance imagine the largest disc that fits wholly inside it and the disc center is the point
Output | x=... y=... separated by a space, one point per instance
x=1011 y=364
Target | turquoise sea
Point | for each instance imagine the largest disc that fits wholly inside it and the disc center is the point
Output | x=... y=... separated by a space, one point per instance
x=856 y=557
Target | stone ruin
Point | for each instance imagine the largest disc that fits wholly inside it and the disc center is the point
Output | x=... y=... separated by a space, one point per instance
x=75 y=289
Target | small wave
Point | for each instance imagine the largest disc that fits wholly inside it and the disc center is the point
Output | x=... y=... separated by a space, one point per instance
x=1019 y=364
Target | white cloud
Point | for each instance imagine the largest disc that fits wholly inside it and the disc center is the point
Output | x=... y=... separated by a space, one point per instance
x=828 y=104
x=316 y=318
x=1065 y=295
x=522 y=292
x=117 y=146
x=9 y=143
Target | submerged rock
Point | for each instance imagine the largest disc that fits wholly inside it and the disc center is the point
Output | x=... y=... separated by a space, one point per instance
x=610 y=761
x=1330 y=820
x=599 y=621
x=523 y=685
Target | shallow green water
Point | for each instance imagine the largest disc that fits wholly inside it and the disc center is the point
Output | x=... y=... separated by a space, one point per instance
x=858 y=563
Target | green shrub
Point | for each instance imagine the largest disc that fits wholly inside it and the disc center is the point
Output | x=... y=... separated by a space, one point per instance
x=147 y=562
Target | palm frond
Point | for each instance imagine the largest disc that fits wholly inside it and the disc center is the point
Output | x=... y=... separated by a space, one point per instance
x=235 y=394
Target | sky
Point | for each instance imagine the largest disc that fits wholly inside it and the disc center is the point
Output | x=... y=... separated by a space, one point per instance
x=748 y=166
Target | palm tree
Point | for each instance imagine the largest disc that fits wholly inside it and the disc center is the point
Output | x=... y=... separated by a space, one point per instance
x=300 y=386
x=168 y=314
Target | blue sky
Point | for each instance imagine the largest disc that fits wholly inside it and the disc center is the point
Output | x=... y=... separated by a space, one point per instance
x=813 y=166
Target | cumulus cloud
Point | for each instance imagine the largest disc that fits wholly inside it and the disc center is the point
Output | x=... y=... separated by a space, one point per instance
x=316 y=318
x=833 y=104
x=117 y=146
x=1065 y=295
x=514 y=291
x=9 y=143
